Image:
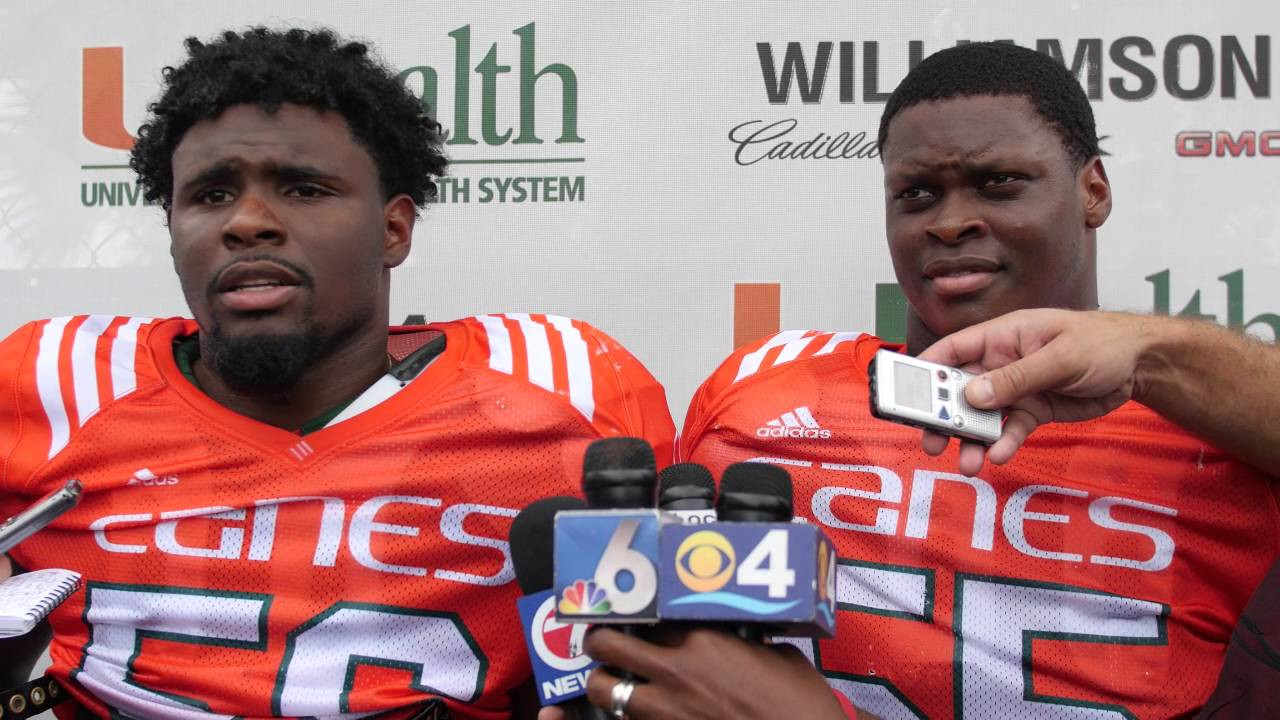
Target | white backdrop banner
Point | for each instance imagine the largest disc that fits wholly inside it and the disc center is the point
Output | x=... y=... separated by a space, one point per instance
x=683 y=175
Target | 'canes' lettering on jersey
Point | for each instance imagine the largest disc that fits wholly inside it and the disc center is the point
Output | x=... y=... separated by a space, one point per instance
x=1097 y=575
x=236 y=569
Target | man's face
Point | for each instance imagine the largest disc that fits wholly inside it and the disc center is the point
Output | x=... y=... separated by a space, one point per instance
x=986 y=213
x=280 y=233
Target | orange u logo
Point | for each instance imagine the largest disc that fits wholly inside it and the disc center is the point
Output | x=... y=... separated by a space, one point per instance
x=102 y=113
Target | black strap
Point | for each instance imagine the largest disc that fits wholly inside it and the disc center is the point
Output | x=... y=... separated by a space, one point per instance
x=31 y=699
x=432 y=710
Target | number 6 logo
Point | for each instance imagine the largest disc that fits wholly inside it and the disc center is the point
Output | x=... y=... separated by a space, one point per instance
x=620 y=557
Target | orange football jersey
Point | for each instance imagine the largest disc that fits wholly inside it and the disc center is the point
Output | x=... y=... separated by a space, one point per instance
x=1097 y=575
x=235 y=569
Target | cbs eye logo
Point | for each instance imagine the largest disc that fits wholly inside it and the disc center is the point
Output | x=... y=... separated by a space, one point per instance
x=705 y=561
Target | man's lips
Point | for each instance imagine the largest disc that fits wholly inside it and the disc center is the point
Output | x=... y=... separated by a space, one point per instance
x=962 y=275
x=257 y=286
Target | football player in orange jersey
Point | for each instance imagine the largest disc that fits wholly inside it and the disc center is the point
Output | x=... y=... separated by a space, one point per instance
x=1096 y=575
x=290 y=510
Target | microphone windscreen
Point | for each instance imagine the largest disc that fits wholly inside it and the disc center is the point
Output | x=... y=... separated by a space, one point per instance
x=618 y=452
x=686 y=486
x=531 y=540
x=753 y=491
x=619 y=472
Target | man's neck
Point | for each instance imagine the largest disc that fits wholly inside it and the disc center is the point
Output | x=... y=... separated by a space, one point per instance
x=337 y=378
x=919 y=336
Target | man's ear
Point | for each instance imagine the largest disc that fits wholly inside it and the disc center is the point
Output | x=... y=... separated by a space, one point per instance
x=1095 y=191
x=398 y=216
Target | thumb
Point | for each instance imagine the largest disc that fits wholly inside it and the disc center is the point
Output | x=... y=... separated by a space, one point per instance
x=1042 y=370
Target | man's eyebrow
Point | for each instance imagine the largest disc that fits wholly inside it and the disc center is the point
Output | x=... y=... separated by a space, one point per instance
x=226 y=171
x=218 y=173
x=300 y=172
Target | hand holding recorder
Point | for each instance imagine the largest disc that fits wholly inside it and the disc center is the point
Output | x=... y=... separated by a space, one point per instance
x=1068 y=366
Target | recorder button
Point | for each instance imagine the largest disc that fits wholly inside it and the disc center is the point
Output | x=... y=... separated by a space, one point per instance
x=958 y=421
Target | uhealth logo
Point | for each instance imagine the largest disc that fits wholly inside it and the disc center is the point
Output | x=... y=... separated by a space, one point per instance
x=558 y=644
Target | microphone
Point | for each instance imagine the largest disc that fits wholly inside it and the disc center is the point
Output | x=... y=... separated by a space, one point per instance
x=618 y=473
x=555 y=649
x=532 y=541
x=754 y=570
x=754 y=492
x=606 y=558
x=686 y=486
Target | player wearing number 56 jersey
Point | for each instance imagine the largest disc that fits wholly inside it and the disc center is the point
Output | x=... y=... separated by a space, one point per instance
x=235 y=568
x=288 y=509
x=1097 y=575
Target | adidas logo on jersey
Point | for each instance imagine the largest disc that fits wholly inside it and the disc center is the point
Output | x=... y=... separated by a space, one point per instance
x=798 y=423
x=149 y=479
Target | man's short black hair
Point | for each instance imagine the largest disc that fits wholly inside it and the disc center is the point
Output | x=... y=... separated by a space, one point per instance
x=991 y=68
x=312 y=68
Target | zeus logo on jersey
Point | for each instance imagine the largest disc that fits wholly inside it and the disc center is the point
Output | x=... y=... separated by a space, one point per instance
x=250 y=533
x=798 y=423
x=852 y=506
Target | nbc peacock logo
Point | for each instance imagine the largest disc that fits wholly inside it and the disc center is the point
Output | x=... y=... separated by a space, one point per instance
x=584 y=597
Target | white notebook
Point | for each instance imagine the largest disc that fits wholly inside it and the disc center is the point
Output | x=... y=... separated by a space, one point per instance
x=26 y=599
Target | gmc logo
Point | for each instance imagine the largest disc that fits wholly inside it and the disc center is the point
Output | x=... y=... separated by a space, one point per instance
x=1203 y=143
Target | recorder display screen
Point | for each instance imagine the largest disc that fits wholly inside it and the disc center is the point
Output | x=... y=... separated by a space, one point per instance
x=911 y=387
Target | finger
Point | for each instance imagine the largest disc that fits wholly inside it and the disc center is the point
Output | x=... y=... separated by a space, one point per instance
x=1017 y=426
x=626 y=652
x=600 y=686
x=958 y=348
x=1045 y=369
x=933 y=443
x=971 y=457
x=552 y=712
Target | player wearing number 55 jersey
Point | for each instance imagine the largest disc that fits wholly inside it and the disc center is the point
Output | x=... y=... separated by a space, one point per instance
x=1097 y=575
x=288 y=510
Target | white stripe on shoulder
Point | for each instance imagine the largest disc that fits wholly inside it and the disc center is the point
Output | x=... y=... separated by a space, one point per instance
x=49 y=383
x=499 y=343
x=837 y=339
x=751 y=361
x=124 y=354
x=84 y=366
x=578 y=360
x=537 y=349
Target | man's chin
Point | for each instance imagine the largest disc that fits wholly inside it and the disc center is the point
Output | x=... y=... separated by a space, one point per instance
x=261 y=360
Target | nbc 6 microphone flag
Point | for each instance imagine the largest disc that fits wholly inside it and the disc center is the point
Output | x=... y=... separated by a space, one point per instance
x=606 y=565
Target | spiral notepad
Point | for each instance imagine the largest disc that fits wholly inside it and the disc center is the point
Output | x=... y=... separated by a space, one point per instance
x=26 y=599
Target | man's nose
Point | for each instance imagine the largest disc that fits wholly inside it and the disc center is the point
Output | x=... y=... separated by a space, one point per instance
x=252 y=221
x=956 y=219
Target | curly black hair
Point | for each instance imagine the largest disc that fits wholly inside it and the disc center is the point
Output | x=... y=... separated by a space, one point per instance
x=993 y=68
x=313 y=68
